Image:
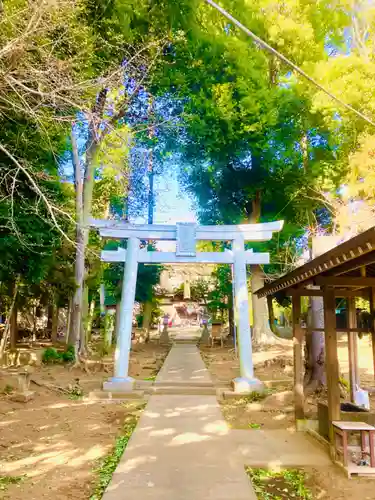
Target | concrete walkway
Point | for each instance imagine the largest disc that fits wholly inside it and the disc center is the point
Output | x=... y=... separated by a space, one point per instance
x=181 y=448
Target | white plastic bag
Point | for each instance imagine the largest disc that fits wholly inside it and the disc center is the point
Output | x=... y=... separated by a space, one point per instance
x=361 y=398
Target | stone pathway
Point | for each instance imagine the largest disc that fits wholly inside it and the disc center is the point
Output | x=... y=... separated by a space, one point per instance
x=182 y=449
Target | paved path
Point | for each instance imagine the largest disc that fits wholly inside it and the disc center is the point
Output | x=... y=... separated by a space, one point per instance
x=181 y=448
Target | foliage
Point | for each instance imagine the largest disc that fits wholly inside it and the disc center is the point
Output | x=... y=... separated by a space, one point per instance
x=75 y=391
x=254 y=426
x=5 y=481
x=286 y=484
x=110 y=462
x=52 y=355
x=8 y=389
x=68 y=356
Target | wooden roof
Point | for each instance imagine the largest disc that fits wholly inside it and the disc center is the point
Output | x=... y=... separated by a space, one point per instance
x=350 y=264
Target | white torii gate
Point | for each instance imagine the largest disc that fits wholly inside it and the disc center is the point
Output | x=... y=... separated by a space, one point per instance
x=186 y=236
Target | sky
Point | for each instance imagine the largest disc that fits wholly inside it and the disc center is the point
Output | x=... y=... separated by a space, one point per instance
x=171 y=206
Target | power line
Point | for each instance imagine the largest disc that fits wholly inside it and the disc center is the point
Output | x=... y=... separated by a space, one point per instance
x=280 y=56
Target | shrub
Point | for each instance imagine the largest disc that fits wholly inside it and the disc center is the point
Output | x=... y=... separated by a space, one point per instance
x=69 y=355
x=51 y=356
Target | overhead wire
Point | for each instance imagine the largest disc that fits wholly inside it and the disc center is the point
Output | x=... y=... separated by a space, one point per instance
x=287 y=61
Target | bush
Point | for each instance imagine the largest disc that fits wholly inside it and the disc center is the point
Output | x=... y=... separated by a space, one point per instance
x=69 y=355
x=51 y=356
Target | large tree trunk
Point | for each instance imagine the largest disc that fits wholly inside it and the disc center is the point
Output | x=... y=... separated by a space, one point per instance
x=271 y=314
x=14 y=327
x=262 y=333
x=49 y=318
x=76 y=312
x=314 y=346
x=147 y=316
x=90 y=319
x=83 y=208
x=12 y=316
x=55 y=324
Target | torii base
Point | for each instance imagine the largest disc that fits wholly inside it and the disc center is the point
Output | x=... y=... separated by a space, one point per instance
x=118 y=384
x=242 y=385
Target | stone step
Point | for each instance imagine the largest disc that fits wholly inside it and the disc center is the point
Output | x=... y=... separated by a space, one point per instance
x=183 y=391
x=118 y=396
x=185 y=341
x=189 y=383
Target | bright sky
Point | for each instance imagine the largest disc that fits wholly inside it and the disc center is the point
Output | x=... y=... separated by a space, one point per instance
x=171 y=205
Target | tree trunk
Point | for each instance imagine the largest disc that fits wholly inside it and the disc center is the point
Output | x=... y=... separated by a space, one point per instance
x=271 y=314
x=84 y=321
x=8 y=322
x=109 y=326
x=14 y=328
x=262 y=333
x=314 y=346
x=68 y=319
x=50 y=310
x=76 y=312
x=118 y=309
x=231 y=316
x=147 y=316
x=84 y=192
x=55 y=324
x=90 y=319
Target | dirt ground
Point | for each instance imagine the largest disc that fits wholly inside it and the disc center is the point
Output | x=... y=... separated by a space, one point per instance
x=56 y=442
x=276 y=363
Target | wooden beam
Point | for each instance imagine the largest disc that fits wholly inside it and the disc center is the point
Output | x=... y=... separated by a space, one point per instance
x=331 y=359
x=298 y=335
x=359 y=262
x=307 y=292
x=347 y=281
x=339 y=330
x=352 y=347
x=372 y=310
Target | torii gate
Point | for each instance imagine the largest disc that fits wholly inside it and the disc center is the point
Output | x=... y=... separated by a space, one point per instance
x=186 y=236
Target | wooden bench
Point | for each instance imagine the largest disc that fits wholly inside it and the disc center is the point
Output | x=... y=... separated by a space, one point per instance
x=342 y=430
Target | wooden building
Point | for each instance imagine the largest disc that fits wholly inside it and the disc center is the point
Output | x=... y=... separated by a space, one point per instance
x=346 y=271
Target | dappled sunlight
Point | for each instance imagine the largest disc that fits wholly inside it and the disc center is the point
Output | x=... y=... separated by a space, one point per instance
x=93 y=453
x=150 y=414
x=127 y=466
x=218 y=427
x=162 y=432
x=188 y=438
x=279 y=417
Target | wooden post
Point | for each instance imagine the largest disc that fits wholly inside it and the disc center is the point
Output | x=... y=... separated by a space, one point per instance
x=298 y=334
x=332 y=364
x=352 y=347
x=372 y=311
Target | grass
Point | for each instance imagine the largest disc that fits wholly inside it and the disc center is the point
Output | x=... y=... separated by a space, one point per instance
x=254 y=426
x=5 y=481
x=108 y=465
x=254 y=397
x=8 y=389
x=283 y=485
